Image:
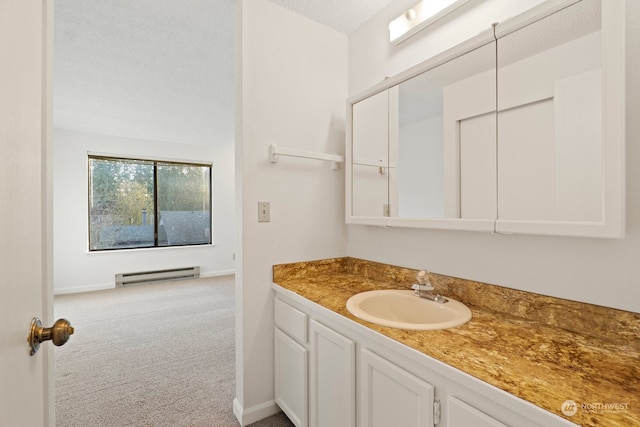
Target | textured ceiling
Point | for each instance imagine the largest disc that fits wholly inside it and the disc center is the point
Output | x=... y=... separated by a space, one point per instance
x=161 y=69
x=152 y=69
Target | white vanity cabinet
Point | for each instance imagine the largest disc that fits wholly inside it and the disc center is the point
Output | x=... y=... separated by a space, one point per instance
x=333 y=378
x=331 y=371
x=390 y=396
x=314 y=370
x=291 y=362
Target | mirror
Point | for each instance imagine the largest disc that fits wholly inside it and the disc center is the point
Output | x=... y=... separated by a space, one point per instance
x=442 y=143
x=370 y=161
x=550 y=118
x=517 y=131
x=561 y=122
x=416 y=144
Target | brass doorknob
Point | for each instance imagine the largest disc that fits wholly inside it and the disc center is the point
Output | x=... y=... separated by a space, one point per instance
x=59 y=333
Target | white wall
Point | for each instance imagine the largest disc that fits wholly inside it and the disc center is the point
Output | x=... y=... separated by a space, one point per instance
x=77 y=270
x=291 y=91
x=598 y=271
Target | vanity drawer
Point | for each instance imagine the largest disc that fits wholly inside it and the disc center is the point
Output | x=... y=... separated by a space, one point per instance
x=291 y=320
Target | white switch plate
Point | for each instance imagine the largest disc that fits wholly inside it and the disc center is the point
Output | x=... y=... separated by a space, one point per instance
x=264 y=211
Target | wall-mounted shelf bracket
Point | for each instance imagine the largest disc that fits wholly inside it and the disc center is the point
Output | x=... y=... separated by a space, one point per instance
x=275 y=152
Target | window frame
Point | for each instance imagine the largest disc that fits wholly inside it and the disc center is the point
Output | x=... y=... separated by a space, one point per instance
x=155 y=161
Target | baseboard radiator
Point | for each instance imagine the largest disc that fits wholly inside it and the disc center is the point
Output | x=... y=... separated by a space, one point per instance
x=144 y=277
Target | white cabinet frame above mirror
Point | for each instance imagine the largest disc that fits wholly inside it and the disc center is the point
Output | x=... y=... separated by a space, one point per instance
x=507 y=148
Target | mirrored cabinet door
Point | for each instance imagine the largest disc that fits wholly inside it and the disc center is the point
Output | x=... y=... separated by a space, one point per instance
x=552 y=126
x=370 y=157
x=550 y=121
x=425 y=148
x=445 y=149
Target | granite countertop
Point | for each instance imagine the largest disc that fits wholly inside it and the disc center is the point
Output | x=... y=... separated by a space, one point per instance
x=532 y=359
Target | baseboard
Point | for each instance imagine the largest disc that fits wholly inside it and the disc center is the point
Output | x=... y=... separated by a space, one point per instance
x=103 y=286
x=218 y=273
x=255 y=413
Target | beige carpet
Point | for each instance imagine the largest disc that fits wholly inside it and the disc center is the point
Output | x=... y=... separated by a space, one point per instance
x=150 y=355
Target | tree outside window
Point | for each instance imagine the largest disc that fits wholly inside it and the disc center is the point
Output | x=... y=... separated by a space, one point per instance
x=143 y=203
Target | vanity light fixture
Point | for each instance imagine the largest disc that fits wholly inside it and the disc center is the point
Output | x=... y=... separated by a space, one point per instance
x=425 y=13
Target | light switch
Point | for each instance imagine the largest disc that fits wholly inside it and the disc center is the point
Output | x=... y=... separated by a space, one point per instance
x=264 y=211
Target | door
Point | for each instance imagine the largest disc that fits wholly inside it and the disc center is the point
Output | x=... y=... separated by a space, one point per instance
x=25 y=232
x=291 y=373
x=461 y=415
x=389 y=395
x=333 y=377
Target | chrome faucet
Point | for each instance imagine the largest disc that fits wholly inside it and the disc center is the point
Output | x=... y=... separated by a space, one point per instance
x=424 y=288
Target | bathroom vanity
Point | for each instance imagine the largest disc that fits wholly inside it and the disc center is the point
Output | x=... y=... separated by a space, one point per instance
x=522 y=360
x=519 y=130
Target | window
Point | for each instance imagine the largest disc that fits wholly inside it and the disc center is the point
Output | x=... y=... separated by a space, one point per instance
x=145 y=203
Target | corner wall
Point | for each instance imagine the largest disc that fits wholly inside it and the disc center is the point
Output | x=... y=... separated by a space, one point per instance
x=291 y=89
x=597 y=271
x=75 y=268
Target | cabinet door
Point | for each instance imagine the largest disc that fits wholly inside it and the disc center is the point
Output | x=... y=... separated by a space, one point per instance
x=459 y=414
x=291 y=378
x=391 y=396
x=370 y=164
x=332 y=378
x=560 y=136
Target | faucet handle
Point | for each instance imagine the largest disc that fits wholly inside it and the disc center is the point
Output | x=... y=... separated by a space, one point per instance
x=423 y=282
x=423 y=278
x=418 y=287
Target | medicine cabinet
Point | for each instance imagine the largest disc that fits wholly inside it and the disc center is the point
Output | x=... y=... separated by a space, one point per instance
x=517 y=130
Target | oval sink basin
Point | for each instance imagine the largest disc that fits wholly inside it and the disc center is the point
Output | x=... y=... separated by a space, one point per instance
x=402 y=309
